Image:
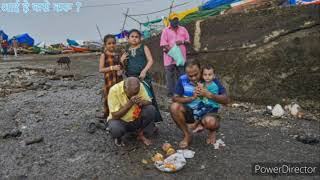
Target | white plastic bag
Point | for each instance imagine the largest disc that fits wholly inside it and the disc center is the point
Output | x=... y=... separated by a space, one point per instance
x=176 y=54
x=188 y=154
x=219 y=143
x=176 y=159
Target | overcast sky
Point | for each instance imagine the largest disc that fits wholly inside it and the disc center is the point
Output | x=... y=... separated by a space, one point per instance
x=56 y=27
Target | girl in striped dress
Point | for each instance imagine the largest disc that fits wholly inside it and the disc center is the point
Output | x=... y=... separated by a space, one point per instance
x=111 y=67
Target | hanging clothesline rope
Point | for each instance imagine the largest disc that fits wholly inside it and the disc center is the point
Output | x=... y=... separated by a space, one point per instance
x=114 y=4
x=159 y=10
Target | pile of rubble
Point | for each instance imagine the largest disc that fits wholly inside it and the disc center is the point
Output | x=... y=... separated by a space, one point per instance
x=19 y=79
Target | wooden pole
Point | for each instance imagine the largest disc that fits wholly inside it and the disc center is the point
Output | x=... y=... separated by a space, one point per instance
x=171 y=7
x=135 y=21
x=99 y=32
x=149 y=25
x=124 y=22
x=170 y=11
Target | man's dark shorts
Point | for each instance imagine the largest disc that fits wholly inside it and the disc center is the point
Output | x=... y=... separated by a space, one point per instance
x=190 y=117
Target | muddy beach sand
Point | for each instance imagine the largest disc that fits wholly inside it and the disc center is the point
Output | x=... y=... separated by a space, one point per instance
x=43 y=101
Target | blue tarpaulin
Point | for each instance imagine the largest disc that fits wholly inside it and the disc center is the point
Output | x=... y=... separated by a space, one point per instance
x=295 y=2
x=4 y=36
x=215 y=3
x=72 y=42
x=24 y=39
x=124 y=34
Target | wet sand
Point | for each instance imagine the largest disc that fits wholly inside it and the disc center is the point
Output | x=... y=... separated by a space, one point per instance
x=57 y=105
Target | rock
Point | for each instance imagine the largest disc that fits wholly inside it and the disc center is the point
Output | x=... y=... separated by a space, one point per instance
x=39 y=119
x=12 y=134
x=309 y=117
x=99 y=92
x=26 y=83
x=268 y=111
x=300 y=115
x=46 y=87
x=294 y=109
x=202 y=167
x=55 y=77
x=33 y=140
x=295 y=136
x=40 y=94
x=143 y=161
x=307 y=140
x=277 y=111
x=36 y=111
x=34 y=87
x=91 y=128
x=66 y=113
x=51 y=71
x=42 y=82
x=235 y=105
x=77 y=77
x=99 y=115
x=269 y=108
x=73 y=87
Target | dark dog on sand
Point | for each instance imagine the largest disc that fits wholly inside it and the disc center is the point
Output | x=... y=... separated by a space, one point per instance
x=64 y=60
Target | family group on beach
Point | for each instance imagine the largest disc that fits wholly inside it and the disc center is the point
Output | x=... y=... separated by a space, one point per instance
x=129 y=100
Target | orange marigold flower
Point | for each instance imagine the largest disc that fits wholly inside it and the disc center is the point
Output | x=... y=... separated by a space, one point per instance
x=136 y=112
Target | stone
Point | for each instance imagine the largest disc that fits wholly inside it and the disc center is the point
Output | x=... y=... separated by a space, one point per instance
x=99 y=115
x=40 y=94
x=39 y=119
x=293 y=109
x=51 y=71
x=308 y=140
x=73 y=87
x=37 y=111
x=99 y=92
x=26 y=83
x=241 y=105
x=42 y=82
x=46 y=87
x=55 y=77
x=33 y=140
x=277 y=111
x=11 y=134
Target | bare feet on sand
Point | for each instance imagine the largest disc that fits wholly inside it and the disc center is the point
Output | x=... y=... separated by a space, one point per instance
x=211 y=137
x=192 y=126
x=199 y=128
x=145 y=140
x=185 y=142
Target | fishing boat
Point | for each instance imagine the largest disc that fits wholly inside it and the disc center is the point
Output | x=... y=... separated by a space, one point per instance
x=80 y=49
